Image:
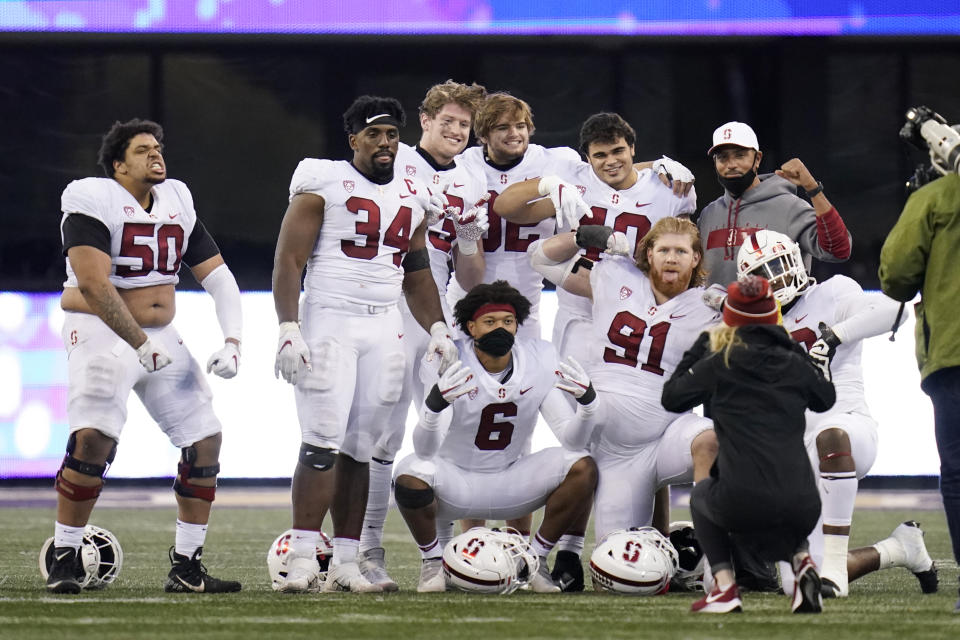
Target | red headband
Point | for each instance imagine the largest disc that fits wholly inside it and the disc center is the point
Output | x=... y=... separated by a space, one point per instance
x=490 y=307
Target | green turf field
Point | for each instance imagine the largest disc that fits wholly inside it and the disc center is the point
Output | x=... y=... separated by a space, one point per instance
x=887 y=604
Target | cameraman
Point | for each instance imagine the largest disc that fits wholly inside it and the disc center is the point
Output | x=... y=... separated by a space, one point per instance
x=919 y=254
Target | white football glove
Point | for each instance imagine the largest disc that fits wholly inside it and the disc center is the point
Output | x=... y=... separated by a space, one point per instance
x=153 y=356
x=455 y=382
x=442 y=344
x=226 y=361
x=618 y=245
x=568 y=206
x=714 y=295
x=435 y=208
x=292 y=353
x=821 y=360
x=471 y=225
x=572 y=378
x=673 y=171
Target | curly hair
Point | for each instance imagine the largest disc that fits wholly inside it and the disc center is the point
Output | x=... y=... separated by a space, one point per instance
x=496 y=106
x=607 y=128
x=470 y=97
x=496 y=292
x=664 y=226
x=113 y=146
x=364 y=107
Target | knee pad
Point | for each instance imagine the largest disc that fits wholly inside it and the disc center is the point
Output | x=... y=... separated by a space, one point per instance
x=391 y=378
x=318 y=458
x=76 y=492
x=413 y=498
x=187 y=470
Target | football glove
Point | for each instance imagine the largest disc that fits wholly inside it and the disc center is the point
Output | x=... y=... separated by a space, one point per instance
x=226 y=361
x=672 y=172
x=471 y=225
x=441 y=344
x=455 y=382
x=153 y=356
x=714 y=295
x=292 y=353
x=823 y=350
x=435 y=209
x=568 y=206
x=572 y=378
x=618 y=244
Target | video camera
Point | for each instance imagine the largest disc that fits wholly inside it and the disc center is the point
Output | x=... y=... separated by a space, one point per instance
x=927 y=130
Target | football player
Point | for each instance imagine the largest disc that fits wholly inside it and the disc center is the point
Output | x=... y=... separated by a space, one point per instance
x=360 y=229
x=471 y=442
x=446 y=114
x=646 y=311
x=832 y=318
x=125 y=237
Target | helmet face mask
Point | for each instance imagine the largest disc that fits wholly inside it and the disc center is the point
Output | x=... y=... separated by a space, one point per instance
x=692 y=560
x=100 y=556
x=638 y=561
x=777 y=258
x=485 y=560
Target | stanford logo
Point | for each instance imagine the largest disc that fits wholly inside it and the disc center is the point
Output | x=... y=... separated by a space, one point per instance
x=128 y=210
x=472 y=394
x=349 y=185
x=436 y=178
x=625 y=292
x=503 y=178
x=727 y=134
x=652 y=311
x=582 y=189
x=411 y=170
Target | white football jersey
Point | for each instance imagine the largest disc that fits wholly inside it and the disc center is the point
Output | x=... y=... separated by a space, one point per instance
x=462 y=190
x=831 y=301
x=631 y=211
x=638 y=343
x=145 y=247
x=505 y=243
x=491 y=428
x=365 y=233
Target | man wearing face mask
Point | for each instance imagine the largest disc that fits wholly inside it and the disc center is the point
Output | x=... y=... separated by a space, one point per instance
x=769 y=201
x=475 y=425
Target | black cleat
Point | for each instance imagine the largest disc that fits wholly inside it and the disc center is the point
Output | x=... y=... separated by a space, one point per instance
x=188 y=575
x=66 y=571
x=807 y=597
x=828 y=588
x=568 y=571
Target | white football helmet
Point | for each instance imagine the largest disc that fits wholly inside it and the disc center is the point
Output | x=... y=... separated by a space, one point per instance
x=488 y=561
x=777 y=258
x=100 y=556
x=278 y=555
x=692 y=561
x=637 y=562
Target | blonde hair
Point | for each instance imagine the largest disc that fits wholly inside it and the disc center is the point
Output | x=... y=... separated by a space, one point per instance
x=470 y=97
x=725 y=338
x=496 y=106
x=680 y=226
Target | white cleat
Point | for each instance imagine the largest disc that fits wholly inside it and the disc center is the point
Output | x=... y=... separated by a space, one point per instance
x=916 y=559
x=373 y=568
x=542 y=582
x=432 y=579
x=347 y=577
x=303 y=576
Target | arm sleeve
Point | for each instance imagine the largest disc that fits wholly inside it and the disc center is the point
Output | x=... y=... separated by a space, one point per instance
x=903 y=258
x=200 y=246
x=832 y=235
x=222 y=287
x=430 y=431
x=866 y=315
x=572 y=429
x=804 y=225
x=81 y=230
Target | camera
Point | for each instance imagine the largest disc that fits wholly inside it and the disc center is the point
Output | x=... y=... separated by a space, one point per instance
x=927 y=130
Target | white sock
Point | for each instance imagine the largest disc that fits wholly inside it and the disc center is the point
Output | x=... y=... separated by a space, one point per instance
x=835 y=559
x=432 y=550
x=190 y=537
x=344 y=550
x=303 y=542
x=64 y=536
x=568 y=542
x=891 y=553
x=444 y=534
x=378 y=501
x=541 y=546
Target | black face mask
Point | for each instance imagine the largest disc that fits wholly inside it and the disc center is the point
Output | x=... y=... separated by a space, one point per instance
x=497 y=343
x=736 y=186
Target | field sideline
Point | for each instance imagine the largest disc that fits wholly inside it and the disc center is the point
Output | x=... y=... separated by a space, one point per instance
x=887 y=604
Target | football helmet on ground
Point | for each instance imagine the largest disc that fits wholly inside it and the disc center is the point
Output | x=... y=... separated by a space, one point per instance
x=689 y=576
x=777 y=258
x=278 y=559
x=638 y=561
x=485 y=560
x=100 y=556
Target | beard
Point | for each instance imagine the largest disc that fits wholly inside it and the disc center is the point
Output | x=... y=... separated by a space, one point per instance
x=379 y=170
x=677 y=282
